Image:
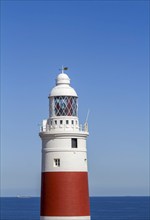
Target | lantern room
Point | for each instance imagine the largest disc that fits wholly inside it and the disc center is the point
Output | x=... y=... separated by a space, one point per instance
x=63 y=100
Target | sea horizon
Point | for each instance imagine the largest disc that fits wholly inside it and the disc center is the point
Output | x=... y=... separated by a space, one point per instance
x=33 y=196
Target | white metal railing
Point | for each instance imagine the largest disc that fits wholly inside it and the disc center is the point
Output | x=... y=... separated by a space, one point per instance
x=65 y=127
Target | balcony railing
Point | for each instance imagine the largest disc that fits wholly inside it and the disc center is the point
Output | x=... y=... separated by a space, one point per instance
x=64 y=127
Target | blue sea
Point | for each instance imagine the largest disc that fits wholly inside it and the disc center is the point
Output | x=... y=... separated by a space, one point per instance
x=102 y=208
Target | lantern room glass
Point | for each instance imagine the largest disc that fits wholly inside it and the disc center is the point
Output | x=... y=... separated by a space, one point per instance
x=63 y=106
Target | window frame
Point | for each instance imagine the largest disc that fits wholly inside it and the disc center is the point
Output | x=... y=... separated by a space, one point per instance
x=74 y=143
x=56 y=162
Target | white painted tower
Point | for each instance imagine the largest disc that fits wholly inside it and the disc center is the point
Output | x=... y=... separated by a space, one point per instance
x=64 y=182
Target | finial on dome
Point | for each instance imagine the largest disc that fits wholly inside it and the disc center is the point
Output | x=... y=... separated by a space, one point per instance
x=63 y=68
x=62 y=78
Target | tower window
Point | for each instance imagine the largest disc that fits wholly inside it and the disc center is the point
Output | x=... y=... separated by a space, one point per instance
x=72 y=122
x=61 y=122
x=57 y=162
x=74 y=143
x=67 y=122
x=55 y=122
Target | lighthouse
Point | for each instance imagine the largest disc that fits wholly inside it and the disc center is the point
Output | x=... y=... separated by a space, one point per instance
x=64 y=178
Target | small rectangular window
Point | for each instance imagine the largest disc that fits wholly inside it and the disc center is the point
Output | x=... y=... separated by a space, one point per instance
x=74 y=143
x=61 y=122
x=72 y=122
x=55 y=122
x=57 y=162
x=67 y=122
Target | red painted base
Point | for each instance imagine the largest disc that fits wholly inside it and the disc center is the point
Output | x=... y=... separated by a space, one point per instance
x=64 y=194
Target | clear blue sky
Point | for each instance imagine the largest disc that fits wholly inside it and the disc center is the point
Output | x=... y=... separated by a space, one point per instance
x=105 y=46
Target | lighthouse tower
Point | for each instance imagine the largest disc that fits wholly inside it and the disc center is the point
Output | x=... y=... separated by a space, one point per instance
x=64 y=181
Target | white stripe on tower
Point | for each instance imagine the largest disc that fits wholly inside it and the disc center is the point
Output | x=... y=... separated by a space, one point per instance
x=65 y=218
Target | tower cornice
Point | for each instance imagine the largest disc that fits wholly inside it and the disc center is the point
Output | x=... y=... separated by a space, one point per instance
x=63 y=134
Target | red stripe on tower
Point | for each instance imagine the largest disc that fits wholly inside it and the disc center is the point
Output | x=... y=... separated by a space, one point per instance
x=64 y=194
